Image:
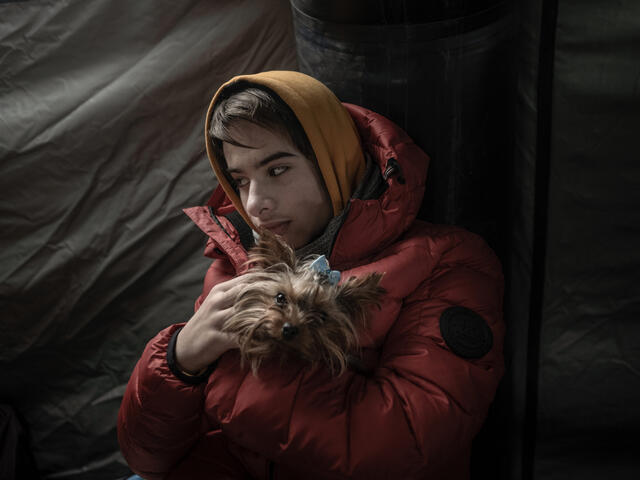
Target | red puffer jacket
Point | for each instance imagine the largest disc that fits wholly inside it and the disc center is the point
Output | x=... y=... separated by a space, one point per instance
x=434 y=354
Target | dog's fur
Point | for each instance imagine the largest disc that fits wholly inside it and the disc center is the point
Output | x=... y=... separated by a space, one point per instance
x=327 y=319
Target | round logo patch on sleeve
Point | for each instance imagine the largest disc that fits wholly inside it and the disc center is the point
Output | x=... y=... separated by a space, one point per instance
x=465 y=332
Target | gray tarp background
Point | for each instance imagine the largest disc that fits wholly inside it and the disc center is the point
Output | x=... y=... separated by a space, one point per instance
x=102 y=108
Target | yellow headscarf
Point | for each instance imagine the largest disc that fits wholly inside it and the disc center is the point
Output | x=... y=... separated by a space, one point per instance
x=328 y=125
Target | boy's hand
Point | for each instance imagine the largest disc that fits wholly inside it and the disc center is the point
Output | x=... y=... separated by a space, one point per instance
x=201 y=341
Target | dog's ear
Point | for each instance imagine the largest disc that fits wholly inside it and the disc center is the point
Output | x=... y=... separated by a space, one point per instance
x=271 y=250
x=357 y=294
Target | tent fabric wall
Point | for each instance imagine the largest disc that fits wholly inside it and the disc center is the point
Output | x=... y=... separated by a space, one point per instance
x=571 y=390
x=588 y=384
x=513 y=403
x=102 y=108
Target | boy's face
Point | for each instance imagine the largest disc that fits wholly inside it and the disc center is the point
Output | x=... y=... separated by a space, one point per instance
x=280 y=189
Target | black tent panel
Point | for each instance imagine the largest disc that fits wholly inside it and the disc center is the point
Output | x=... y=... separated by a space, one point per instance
x=589 y=367
x=440 y=70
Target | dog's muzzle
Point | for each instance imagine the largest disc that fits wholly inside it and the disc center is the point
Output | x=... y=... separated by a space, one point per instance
x=289 y=331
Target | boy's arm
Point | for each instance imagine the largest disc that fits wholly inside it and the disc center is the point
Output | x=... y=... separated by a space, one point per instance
x=160 y=418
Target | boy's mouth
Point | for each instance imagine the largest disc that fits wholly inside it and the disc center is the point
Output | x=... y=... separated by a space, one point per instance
x=278 y=228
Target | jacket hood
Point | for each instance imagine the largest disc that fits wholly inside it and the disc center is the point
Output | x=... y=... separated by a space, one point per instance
x=369 y=224
x=328 y=125
x=372 y=225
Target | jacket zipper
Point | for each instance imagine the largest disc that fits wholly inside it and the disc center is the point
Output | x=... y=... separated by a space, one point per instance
x=393 y=168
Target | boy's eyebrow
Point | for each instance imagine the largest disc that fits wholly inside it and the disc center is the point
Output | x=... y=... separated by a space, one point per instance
x=265 y=161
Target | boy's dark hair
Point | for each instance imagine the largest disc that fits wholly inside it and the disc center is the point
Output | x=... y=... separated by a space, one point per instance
x=258 y=105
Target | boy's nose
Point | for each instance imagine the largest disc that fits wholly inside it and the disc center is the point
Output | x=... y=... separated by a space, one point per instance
x=259 y=202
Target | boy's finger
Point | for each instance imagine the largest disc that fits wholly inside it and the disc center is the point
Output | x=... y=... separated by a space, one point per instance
x=224 y=286
x=228 y=297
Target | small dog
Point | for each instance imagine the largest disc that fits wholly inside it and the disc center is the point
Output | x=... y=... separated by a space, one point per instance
x=297 y=308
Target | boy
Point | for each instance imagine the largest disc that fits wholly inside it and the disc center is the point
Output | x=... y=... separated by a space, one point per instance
x=342 y=181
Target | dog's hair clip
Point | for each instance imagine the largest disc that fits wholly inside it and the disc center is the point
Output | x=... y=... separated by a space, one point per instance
x=321 y=266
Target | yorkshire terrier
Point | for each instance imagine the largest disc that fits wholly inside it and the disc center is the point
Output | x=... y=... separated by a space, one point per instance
x=297 y=308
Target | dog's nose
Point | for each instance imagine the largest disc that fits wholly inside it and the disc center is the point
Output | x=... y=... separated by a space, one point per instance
x=289 y=331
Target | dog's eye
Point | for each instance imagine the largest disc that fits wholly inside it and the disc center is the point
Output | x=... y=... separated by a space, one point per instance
x=281 y=300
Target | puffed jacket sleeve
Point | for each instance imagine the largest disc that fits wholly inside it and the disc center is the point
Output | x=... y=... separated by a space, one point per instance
x=160 y=418
x=414 y=416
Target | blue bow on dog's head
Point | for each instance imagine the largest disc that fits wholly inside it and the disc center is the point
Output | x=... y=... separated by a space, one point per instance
x=321 y=266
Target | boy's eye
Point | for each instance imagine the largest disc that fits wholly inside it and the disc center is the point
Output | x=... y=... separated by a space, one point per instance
x=240 y=182
x=275 y=171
